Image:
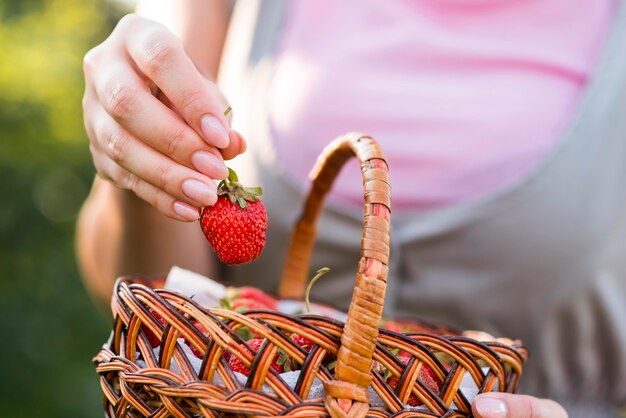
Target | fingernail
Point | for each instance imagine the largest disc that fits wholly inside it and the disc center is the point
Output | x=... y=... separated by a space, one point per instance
x=213 y=131
x=489 y=407
x=199 y=191
x=186 y=211
x=209 y=165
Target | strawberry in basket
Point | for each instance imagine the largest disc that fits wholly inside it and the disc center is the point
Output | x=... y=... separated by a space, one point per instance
x=280 y=362
x=426 y=375
x=152 y=339
x=248 y=297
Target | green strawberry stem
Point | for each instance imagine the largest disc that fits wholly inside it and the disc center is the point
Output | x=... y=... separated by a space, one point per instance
x=236 y=192
x=232 y=176
x=307 y=293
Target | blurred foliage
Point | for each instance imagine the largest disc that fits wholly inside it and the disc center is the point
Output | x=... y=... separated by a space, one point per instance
x=50 y=327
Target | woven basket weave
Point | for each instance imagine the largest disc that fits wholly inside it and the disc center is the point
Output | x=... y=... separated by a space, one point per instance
x=131 y=390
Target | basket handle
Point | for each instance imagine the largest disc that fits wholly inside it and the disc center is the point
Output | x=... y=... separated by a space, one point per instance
x=347 y=397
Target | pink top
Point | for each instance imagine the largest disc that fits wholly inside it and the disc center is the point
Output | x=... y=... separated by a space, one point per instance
x=465 y=96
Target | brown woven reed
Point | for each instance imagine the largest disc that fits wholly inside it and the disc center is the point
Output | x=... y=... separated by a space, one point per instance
x=136 y=383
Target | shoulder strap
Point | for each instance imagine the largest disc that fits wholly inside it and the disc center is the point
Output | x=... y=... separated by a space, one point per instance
x=253 y=33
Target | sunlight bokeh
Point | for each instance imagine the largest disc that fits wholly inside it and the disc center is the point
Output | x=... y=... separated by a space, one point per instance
x=51 y=329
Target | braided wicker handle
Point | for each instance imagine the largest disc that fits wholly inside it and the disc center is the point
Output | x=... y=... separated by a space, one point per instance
x=348 y=397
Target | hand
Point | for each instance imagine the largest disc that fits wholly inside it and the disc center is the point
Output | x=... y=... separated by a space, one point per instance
x=156 y=126
x=506 y=405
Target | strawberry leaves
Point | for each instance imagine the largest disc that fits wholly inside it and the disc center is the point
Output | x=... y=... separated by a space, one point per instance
x=284 y=361
x=236 y=192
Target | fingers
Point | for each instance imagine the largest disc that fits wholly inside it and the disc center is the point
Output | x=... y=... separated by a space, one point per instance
x=123 y=179
x=160 y=200
x=506 y=405
x=237 y=145
x=131 y=104
x=165 y=203
x=154 y=122
x=160 y=56
x=151 y=166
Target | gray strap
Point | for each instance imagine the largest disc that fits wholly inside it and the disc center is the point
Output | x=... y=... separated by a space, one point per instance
x=269 y=23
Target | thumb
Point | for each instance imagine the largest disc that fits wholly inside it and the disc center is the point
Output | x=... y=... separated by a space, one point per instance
x=506 y=405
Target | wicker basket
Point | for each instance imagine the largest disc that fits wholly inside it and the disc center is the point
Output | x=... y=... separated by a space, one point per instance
x=131 y=390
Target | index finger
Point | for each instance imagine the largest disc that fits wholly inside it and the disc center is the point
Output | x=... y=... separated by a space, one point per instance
x=160 y=56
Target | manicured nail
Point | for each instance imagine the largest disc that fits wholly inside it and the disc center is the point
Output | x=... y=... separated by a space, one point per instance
x=186 y=211
x=214 y=132
x=200 y=192
x=489 y=407
x=209 y=165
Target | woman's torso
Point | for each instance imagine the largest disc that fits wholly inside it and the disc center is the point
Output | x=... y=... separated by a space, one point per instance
x=466 y=97
x=538 y=260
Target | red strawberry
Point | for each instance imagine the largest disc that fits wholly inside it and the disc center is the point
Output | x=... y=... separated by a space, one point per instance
x=247 y=304
x=152 y=338
x=404 y=357
x=413 y=399
x=235 y=226
x=426 y=375
x=249 y=292
x=307 y=345
x=303 y=342
x=237 y=365
x=204 y=332
x=392 y=326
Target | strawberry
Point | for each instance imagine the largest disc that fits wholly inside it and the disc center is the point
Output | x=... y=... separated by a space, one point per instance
x=404 y=357
x=307 y=346
x=251 y=293
x=247 y=304
x=392 y=326
x=152 y=338
x=204 y=332
x=236 y=365
x=426 y=375
x=413 y=399
x=235 y=226
x=303 y=342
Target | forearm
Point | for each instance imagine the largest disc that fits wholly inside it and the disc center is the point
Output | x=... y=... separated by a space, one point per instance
x=201 y=25
x=119 y=234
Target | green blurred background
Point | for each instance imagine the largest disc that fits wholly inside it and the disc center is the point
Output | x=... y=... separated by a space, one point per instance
x=50 y=329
